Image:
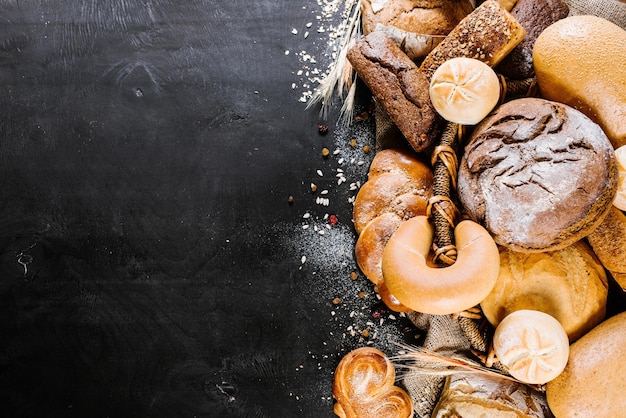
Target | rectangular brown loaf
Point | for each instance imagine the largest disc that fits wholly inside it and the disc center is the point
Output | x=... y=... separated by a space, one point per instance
x=398 y=85
x=488 y=34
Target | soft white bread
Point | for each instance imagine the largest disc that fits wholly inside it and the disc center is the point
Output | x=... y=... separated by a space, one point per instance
x=532 y=345
x=464 y=90
x=593 y=382
x=579 y=61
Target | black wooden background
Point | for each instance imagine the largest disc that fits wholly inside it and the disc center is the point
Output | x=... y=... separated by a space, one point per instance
x=151 y=263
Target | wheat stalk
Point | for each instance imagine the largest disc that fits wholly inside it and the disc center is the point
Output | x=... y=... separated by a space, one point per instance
x=341 y=74
x=423 y=361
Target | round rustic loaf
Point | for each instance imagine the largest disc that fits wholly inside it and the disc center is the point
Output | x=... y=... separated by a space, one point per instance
x=570 y=284
x=539 y=175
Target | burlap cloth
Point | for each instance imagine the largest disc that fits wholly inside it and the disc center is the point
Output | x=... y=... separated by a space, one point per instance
x=444 y=334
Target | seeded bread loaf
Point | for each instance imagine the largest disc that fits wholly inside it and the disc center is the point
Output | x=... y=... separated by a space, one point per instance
x=488 y=34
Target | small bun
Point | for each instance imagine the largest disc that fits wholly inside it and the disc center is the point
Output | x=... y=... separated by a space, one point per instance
x=464 y=90
x=363 y=387
x=532 y=345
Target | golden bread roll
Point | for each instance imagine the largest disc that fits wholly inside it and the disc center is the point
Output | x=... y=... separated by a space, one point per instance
x=538 y=175
x=371 y=243
x=579 y=61
x=364 y=387
x=570 y=284
x=433 y=17
x=440 y=291
x=532 y=345
x=608 y=241
x=620 y=197
x=488 y=34
x=477 y=395
x=398 y=183
x=593 y=382
x=464 y=90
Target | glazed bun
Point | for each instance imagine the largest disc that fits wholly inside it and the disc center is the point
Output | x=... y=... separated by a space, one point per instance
x=364 y=387
x=538 y=175
x=464 y=90
x=440 y=291
x=569 y=284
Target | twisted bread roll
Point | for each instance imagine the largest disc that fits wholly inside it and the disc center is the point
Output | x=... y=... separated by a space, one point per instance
x=440 y=291
x=364 y=387
x=397 y=182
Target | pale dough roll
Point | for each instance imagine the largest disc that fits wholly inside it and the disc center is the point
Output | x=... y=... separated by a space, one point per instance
x=569 y=284
x=464 y=90
x=532 y=345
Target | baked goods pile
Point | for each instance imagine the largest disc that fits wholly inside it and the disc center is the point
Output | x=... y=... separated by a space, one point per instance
x=523 y=110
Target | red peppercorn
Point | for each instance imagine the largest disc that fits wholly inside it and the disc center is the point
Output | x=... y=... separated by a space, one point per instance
x=322 y=129
x=332 y=219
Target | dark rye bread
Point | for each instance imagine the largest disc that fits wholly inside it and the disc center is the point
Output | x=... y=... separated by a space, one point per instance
x=539 y=175
x=534 y=16
x=399 y=86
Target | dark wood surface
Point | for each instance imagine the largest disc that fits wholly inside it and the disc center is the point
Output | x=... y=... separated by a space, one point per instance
x=151 y=262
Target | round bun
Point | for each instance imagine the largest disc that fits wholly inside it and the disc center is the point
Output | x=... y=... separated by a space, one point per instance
x=538 y=175
x=433 y=17
x=364 y=387
x=464 y=90
x=569 y=284
x=532 y=345
x=620 y=197
x=593 y=382
x=440 y=291
x=397 y=182
x=570 y=47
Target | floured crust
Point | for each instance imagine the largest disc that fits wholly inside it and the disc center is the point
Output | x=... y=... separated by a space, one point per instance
x=539 y=175
x=433 y=17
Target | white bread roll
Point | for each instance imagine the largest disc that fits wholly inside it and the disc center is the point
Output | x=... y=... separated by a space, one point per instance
x=464 y=90
x=532 y=345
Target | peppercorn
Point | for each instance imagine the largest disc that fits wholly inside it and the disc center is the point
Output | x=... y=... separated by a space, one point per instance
x=322 y=129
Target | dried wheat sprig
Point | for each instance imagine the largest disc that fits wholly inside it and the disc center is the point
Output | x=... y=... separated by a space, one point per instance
x=341 y=73
x=421 y=360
